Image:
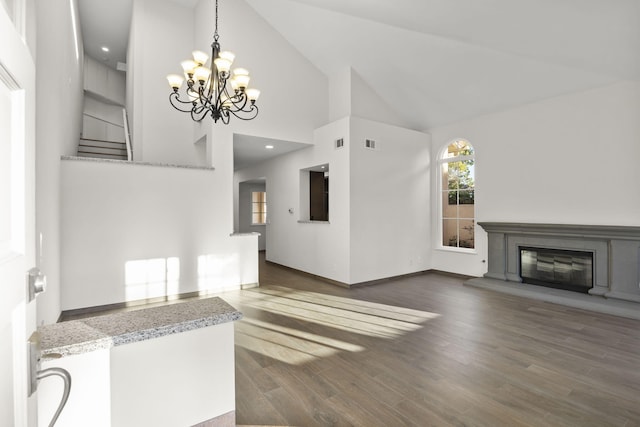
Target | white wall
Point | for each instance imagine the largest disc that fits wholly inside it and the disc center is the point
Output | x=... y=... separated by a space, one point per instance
x=104 y=99
x=102 y=121
x=317 y=248
x=132 y=232
x=379 y=204
x=340 y=95
x=58 y=115
x=390 y=201
x=160 y=133
x=367 y=104
x=104 y=82
x=245 y=204
x=350 y=95
x=569 y=160
x=193 y=381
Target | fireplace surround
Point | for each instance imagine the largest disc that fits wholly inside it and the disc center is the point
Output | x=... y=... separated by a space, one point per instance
x=615 y=253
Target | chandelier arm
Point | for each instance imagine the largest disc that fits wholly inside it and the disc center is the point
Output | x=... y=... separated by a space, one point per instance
x=224 y=116
x=205 y=102
x=238 y=100
x=221 y=89
x=253 y=110
x=198 y=113
x=175 y=97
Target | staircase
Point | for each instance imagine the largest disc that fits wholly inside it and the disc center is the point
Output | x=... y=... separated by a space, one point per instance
x=102 y=149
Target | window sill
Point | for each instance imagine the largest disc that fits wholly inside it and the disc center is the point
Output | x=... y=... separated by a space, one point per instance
x=457 y=250
x=308 y=221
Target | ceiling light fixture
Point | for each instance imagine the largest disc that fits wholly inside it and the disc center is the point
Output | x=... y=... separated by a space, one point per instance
x=207 y=92
x=269 y=147
x=105 y=49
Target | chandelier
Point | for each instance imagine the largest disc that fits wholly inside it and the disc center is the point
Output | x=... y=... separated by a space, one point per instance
x=207 y=92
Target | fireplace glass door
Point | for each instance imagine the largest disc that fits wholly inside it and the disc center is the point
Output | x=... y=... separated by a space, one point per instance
x=569 y=270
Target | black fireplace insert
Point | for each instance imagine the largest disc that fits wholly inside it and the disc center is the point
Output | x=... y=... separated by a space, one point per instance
x=556 y=268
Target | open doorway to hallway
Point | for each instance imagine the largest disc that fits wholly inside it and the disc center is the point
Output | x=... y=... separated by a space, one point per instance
x=252 y=209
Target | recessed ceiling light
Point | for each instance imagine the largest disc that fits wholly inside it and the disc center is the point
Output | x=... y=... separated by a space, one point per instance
x=269 y=147
x=105 y=49
x=322 y=167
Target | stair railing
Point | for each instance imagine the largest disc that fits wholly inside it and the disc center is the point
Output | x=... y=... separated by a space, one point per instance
x=127 y=134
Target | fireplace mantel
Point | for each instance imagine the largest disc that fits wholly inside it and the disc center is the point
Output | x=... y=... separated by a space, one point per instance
x=567 y=230
x=616 y=252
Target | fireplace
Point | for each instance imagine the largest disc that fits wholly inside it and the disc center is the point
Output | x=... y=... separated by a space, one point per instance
x=601 y=260
x=555 y=268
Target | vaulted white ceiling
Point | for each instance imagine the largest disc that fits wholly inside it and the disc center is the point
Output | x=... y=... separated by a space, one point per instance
x=440 y=61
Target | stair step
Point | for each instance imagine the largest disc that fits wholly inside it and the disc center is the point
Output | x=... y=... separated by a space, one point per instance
x=102 y=150
x=102 y=144
x=94 y=148
x=103 y=156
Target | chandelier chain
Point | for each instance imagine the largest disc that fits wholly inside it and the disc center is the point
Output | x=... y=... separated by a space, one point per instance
x=215 y=33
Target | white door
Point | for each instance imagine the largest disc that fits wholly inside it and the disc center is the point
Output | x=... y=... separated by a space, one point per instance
x=17 y=214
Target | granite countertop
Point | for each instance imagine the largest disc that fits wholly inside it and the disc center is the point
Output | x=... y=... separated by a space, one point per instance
x=110 y=330
x=135 y=163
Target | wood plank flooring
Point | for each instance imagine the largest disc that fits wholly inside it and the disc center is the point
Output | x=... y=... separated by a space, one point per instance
x=427 y=351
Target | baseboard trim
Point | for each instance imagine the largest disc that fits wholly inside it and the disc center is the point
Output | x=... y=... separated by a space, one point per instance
x=70 y=314
x=389 y=279
x=454 y=275
x=311 y=275
x=361 y=284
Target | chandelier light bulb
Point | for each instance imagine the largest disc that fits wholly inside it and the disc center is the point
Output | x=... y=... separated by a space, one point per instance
x=241 y=81
x=241 y=78
x=240 y=72
x=188 y=66
x=202 y=74
x=222 y=64
x=229 y=56
x=200 y=57
x=253 y=94
x=175 y=81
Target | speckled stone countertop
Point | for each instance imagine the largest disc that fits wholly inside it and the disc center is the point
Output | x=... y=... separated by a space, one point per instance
x=135 y=163
x=110 y=330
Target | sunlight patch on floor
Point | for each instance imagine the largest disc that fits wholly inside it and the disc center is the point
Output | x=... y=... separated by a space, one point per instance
x=300 y=345
x=307 y=336
x=281 y=346
x=367 y=307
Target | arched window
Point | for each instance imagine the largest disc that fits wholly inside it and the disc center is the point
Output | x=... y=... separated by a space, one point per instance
x=457 y=213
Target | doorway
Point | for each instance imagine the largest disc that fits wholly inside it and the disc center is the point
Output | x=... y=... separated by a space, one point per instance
x=253 y=215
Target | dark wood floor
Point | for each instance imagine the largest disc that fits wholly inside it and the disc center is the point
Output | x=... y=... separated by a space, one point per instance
x=426 y=350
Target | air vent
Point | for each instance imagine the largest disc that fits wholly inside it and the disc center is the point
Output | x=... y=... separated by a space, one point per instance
x=339 y=142
x=370 y=144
